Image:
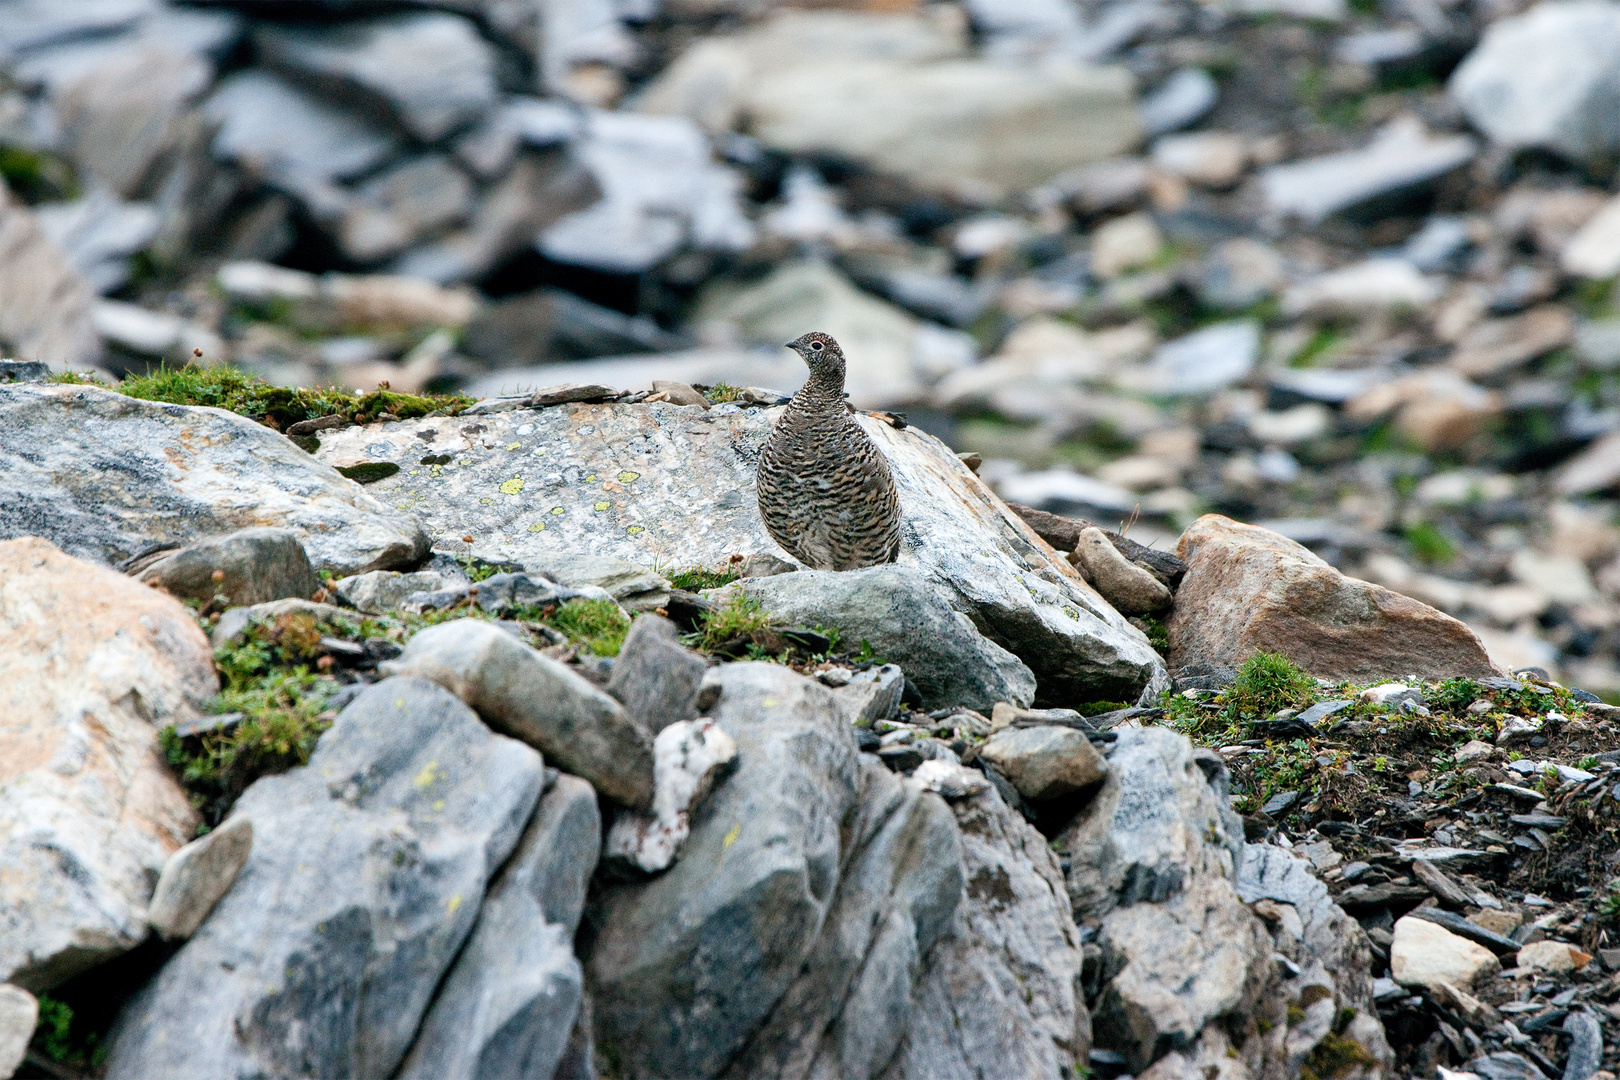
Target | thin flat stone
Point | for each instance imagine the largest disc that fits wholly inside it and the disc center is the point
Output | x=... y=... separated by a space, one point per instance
x=1321 y=711
x=1460 y=926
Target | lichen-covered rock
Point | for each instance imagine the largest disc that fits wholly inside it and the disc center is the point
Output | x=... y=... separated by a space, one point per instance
x=1250 y=590
x=92 y=666
x=108 y=478
x=366 y=876
x=254 y=566
x=655 y=482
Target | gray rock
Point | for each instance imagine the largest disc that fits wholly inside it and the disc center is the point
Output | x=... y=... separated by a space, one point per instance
x=365 y=879
x=1001 y=994
x=396 y=208
x=1181 y=101
x=1399 y=159
x=654 y=677
x=30 y=24
x=873 y=694
x=45 y=303
x=510 y=1002
x=660 y=190
x=432 y=71
x=70 y=454
x=236 y=621
x=689 y=758
x=580 y=32
x=1504 y=1065
x=550 y=324
x=1238 y=274
x=686 y=966
x=19 y=1012
x=1585 y=1045
x=297 y=141
x=154 y=334
x=906 y=620
x=99 y=233
x=631 y=584
x=253 y=566
x=1463 y=928
x=94 y=666
x=1549 y=78
x=753 y=368
x=538 y=700
x=1162 y=818
x=1131 y=589
x=488 y=149
x=1045 y=763
x=1204 y=360
x=23 y=371
x=197 y=876
x=635 y=481
x=380 y=591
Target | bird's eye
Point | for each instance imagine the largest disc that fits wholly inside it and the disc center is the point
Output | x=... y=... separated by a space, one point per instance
x=816 y=345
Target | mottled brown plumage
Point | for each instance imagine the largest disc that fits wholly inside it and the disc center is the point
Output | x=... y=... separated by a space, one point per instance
x=825 y=490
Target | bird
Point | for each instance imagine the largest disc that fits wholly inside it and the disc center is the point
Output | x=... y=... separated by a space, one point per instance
x=825 y=490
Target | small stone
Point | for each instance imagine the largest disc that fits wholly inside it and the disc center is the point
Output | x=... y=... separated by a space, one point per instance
x=688 y=757
x=1585 y=1045
x=197 y=876
x=1402 y=156
x=1322 y=710
x=873 y=694
x=1373 y=285
x=1555 y=957
x=1129 y=588
x=949 y=779
x=1391 y=694
x=254 y=566
x=567 y=392
x=1180 y=101
x=381 y=591
x=19 y=1012
x=1124 y=244
x=1463 y=1004
x=1502 y=923
x=1474 y=750
x=1444 y=889
x=1213 y=159
x=1280 y=802
x=679 y=393
x=1045 y=762
x=654 y=677
x=1205 y=360
x=1517 y=730
x=1424 y=953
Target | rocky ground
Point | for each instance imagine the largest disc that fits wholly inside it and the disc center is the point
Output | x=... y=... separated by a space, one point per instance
x=1346 y=271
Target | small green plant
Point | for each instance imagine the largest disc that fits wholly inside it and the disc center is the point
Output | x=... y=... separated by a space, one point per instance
x=722 y=393
x=1429 y=544
x=1454 y=695
x=477 y=569
x=598 y=625
x=1265 y=683
x=698 y=578
x=1320 y=343
x=61 y=1037
x=1097 y=708
x=1609 y=906
x=741 y=617
x=1157 y=634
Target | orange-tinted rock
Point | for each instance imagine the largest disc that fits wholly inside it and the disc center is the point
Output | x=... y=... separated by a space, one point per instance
x=1249 y=590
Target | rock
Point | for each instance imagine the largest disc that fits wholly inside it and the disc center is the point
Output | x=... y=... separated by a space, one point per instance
x=1125 y=243
x=538 y=700
x=1495 y=346
x=1597 y=468
x=1250 y=590
x=725 y=932
x=177 y=474
x=880 y=339
x=1425 y=953
x=251 y=566
x=550 y=324
x=632 y=585
x=432 y=72
x=873 y=694
x=367 y=869
x=660 y=190
x=95 y=665
x=45 y=304
x=152 y=333
x=1437 y=409
x=1585 y=1045
x=1045 y=763
x=1129 y=588
x=1376 y=284
x=900 y=612
x=754 y=369
x=1445 y=890
x=1463 y=1004
x=19 y=1012
x=1180 y=101
x=1214 y=159
x=1204 y=360
x=399 y=206
x=1238 y=274
x=98 y=233
x=1556 y=957
x=1546 y=79
x=1470 y=928
x=235 y=621
x=654 y=678
x=380 y=591
x=1594 y=251
x=516 y=990
x=1474 y=750
x=1401 y=158
x=23 y=371
x=688 y=758
x=672 y=480
x=896 y=92
x=196 y=877
x=950 y=780
x=299 y=141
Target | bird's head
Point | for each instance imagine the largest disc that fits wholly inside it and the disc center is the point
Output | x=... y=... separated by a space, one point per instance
x=819 y=351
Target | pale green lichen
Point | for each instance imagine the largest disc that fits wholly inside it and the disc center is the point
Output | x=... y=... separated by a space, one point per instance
x=628 y=477
x=512 y=486
x=603 y=505
x=538 y=526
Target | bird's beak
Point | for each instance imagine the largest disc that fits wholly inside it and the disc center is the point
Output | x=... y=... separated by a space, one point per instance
x=789 y=345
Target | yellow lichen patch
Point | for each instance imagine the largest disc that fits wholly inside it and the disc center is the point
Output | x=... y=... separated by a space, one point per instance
x=512 y=486
x=538 y=526
x=452 y=904
x=436 y=470
x=514 y=446
x=558 y=511
x=731 y=837
x=635 y=530
x=603 y=505
x=425 y=778
x=486 y=502
x=438 y=806
x=591 y=479
x=628 y=477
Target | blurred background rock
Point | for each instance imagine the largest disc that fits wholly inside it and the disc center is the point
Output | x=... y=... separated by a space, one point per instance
x=1342 y=267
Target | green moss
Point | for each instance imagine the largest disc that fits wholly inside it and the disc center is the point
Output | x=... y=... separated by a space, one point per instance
x=1158 y=636
x=1320 y=344
x=1429 y=545
x=1267 y=682
x=696 y=579
x=722 y=393
x=1097 y=708
x=62 y=1037
x=37 y=176
x=741 y=617
x=1336 y=1056
x=598 y=625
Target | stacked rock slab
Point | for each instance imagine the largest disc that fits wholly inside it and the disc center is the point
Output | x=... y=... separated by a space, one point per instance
x=1249 y=590
x=654 y=482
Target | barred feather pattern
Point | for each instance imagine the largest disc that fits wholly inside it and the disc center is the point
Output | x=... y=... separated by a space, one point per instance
x=825 y=490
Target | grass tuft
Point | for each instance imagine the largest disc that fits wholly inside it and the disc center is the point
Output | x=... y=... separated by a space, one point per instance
x=699 y=578
x=1267 y=682
x=598 y=625
x=742 y=617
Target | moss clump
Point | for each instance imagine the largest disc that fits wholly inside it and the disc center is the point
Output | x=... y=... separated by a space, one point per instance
x=699 y=578
x=742 y=617
x=1336 y=1056
x=277 y=406
x=722 y=393
x=62 y=1038
x=1097 y=708
x=1454 y=695
x=1265 y=683
x=598 y=625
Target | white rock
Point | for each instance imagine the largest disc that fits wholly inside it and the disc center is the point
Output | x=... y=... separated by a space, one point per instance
x=1402 y=155
x=1563 y=578
x=1517 y=730
x=1289 y=427
x=1594 y=252
x=1204 y=360
x=1124 y=244
x=1424 y=954
x=950 y=779
x=154 y=333
x=45 y=303
x=1557 y=957
x=1212 y=158
x=1376 y=284
x=197 y=876
x=1549 y=78
x=19 y=1012
x=1064 y=486
x=1181 y=101
x=262 y=281
x=1474 y=750
x=1389 y=694
x=688 y=756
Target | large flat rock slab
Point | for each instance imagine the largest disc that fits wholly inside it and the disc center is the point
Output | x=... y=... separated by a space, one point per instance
x=107 y=477
x=674 y=485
